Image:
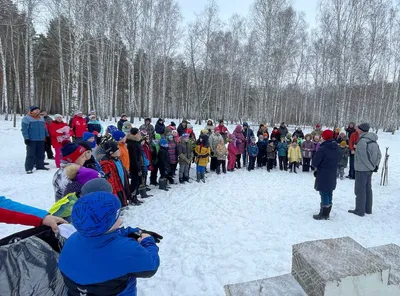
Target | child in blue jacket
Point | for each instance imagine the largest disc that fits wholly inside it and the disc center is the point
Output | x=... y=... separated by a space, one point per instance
x=101 y=258
x=282 y=154
x=253 y=152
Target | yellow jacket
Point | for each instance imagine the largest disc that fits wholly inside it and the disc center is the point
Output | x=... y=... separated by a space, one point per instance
x=202 y=155
x=294 y=154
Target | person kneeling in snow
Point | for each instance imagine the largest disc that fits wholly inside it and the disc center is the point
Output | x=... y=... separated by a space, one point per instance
x=101 y=258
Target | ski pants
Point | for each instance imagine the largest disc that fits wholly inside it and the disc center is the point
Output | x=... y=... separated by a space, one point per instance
x=153 y=174
x=363 y=191
x=200 y=169
x=221 y=163
x=245 y=156
x=306 y=164
x=47 y=148
x=270 y=164
x=57 y=156
x=231 y=161
x=293 y=166
x=252 y=161
x=283 y=163
x=183 y=170
x=34 y=155
x=213 y=164
x=238 y=161
x=352 y=171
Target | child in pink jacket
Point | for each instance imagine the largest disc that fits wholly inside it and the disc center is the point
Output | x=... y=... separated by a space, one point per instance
x=232 y=152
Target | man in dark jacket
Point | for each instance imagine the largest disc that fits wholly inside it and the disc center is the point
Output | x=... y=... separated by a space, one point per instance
x=248 y=134
x=160 y=127
x=110 y=258
x=326 y=161
x=367 y=159
x=136 y=162
x=122 y=121
x=283 y=130
x=182 y=127
x=163 y=163
x=298 y=133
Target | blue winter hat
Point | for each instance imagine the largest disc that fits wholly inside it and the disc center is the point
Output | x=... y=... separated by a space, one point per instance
x=33 y=108
x=111 y=129
x=95 y=213
x=118 y=135
x=245 y=124
x=87 y=136
x=163 y=143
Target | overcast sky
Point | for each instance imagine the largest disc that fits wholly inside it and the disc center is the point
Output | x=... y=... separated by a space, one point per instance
x=228 y=7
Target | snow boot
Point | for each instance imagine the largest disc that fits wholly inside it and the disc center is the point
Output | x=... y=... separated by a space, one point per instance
x=29 y=172
x=143 y=193
x=198 y=177
x=186 y=179
x=355 y=213
x=203 y=178
x=181 y=181
x=163 y=184
x=323 y=214
x=134 y=200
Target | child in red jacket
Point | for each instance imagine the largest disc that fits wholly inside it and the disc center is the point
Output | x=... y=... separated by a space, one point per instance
x=232 y=151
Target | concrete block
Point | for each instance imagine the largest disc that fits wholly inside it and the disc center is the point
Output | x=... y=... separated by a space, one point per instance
x=276 y=286
x=339 y=267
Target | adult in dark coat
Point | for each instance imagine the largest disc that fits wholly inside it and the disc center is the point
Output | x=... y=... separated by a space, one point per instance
x=160 y=127
x=298 y=133
x=282 y=130
x=326 y=161
x=136 y=162
x=122 y=121
x=182 y=127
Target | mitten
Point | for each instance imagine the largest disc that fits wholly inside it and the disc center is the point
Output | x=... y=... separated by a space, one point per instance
x=27 y=141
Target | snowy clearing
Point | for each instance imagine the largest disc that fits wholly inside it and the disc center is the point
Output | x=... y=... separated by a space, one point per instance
x=237 y=227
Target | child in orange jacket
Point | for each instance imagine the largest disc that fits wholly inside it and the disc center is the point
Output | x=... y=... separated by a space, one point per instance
x=120 y=138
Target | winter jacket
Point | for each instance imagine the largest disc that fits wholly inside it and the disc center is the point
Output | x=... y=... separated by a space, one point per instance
x=160 y=127
x=60 y=181
x=294 y=153
x=248 y=134
x=298 y=134
x=184 y=152
x=202 y=154
x=368 y=155
x=326 y=162
x=214 y=140
x=163 y=161
x=221 y=152
x=95 y=126
x=172 y=152
x=307 y=148
x=350 y=130
x=124 y=155
x=120 y=123
x=136 y=162
x=223 y=131
x=240 y=139
x=93 y=164
x=12 y=212
x=353 y=141
x=119 y=185
x=252 y=149
x=271 y=152
x=146 y=147
x=232 y=150
x=55 y=136
x=282 y=148
x=78 y=126
x=262 y=148
x=34 y=129
x=107 y=264
x=283 y=131
x=181 y=129
x=276 y=134
x=344 y=157
x=149 y=128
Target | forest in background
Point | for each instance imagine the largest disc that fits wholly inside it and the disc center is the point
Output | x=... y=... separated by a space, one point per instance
x=137 y=57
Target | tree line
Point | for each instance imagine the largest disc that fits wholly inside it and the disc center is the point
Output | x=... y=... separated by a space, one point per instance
x=137 y=57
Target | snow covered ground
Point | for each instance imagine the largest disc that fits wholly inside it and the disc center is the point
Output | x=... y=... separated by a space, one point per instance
x=236 y=227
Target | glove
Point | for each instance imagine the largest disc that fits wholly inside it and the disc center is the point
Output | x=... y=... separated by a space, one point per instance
x=136 y=235
x=27 y=141
x=376 y=169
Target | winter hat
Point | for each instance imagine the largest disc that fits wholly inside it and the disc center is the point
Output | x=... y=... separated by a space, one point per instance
x=265 y=136
x=173 y=123
x=95 y=213
x=221 y=121
x=327 y=135
x=33 y=108
x=111 y=129
x=72 y=151
x=231 y=136
x=343 y=144
x=364 y=127
x=78 y=112
x=96 y=185
x=147 y=119
x=87 y=145
x=110 y=147
x=318 y=125
x=134 y=131
x=57 y=116
x=84 y=175
x=157 y=136
x=87 y=136
x=118 y=135
x=164 y=143
x=253 y=138
x=126 y=123
x=123 y=115
x=245 y=124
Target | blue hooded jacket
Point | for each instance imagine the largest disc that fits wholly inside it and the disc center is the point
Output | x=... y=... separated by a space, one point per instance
x=282 y=149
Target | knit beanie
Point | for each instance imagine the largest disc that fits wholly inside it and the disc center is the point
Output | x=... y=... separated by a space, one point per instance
x=364 y=127
x=134 y=130
x=164 y=143
x=157 y=136
x=72 y=151
x=33 y=108
x=85 y=175
x=96 y=185
x=327 y=135
x=95 y=213
x=343 y=144
x=245 y=124
x=78 y=112
x=111 y=129
x=118 y=135
x=57 y=116
x=173 y=123
x=87 y=136
x=110 y=147
x=318 y=125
